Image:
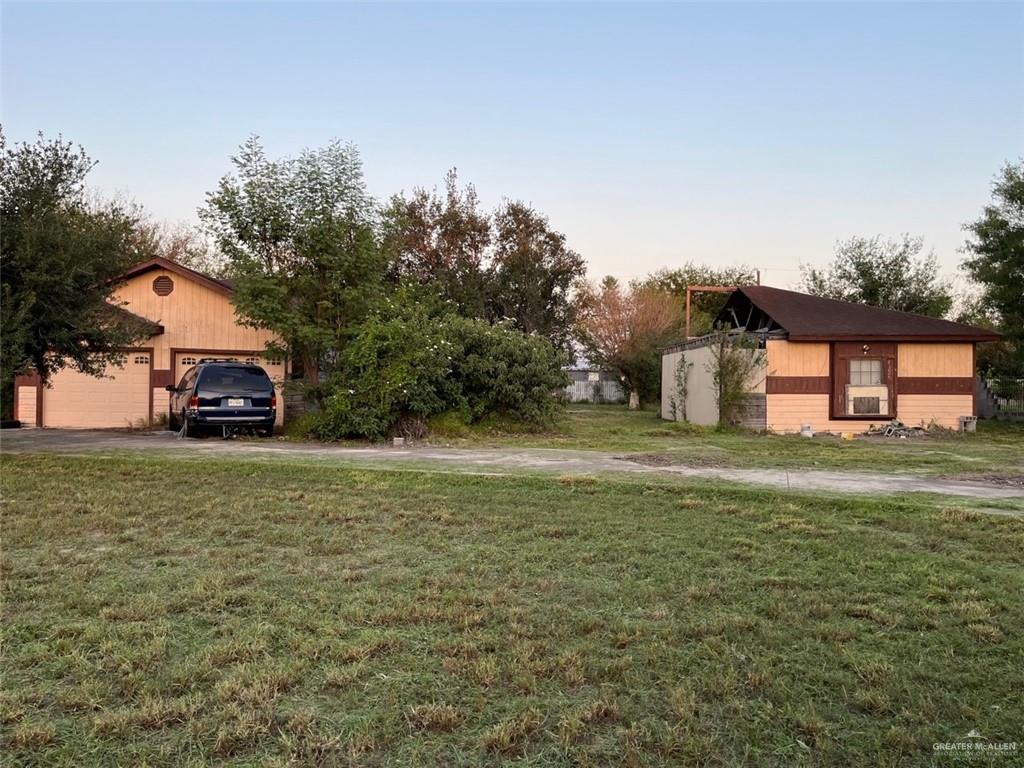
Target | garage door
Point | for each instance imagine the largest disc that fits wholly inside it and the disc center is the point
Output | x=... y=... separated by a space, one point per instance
x=185 y=360
x=120 y=399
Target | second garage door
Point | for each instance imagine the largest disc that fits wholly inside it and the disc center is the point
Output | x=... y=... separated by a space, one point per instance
x=120 y=399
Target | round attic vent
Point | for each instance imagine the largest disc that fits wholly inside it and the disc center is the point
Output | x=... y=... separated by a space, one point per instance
x=163 y=285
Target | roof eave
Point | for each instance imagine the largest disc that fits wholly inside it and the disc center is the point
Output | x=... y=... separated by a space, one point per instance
x=946 y=337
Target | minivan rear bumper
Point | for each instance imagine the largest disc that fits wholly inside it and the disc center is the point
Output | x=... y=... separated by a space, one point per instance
x=262 y=418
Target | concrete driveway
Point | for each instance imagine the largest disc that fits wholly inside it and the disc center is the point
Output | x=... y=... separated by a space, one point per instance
x=485 y=461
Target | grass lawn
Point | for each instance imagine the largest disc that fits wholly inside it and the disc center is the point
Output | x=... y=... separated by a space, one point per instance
x=221 y=610
x=997 y=448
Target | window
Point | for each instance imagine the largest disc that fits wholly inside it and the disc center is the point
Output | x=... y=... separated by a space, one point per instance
x=234 y=380
x=188 y=361
x=252 y=361
x=866 y=395
x=142 y=360
x=163 y=286
x=866 y=373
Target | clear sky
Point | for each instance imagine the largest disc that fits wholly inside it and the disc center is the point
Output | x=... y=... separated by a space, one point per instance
x=649 y=134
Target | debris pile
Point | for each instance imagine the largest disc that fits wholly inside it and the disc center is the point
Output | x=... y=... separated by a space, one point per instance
x=897 y=428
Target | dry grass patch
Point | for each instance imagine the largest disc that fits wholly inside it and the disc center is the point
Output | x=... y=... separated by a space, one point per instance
x=433 y=717
x=511 y=734
x=33 y=736
x=985 y=632
x=958 y=515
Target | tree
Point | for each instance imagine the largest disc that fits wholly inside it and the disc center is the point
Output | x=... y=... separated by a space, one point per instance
x=301 y=240
x=532 y=275
x=736 y=363
x=706 y=305
x=441 y=242
x=624 y=330
x=507 y=266
x=181 y=243
x=996 y=262
x=60 y=253
x=891 y=274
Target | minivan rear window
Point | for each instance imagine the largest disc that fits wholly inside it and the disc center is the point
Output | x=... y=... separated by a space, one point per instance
x=236 y=379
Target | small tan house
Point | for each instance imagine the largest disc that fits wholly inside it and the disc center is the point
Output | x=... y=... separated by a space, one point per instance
x=192 y=317
x=837 y=366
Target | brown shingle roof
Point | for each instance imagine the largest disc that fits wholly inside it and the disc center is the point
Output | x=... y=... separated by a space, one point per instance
x=812 y=318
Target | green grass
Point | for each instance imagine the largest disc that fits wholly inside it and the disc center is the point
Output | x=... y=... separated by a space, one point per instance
x=997 y=448
x=227 y=611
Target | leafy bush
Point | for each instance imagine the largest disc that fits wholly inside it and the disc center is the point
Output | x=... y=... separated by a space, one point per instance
x=403 y=367
x=505 y=372
x=393 y=369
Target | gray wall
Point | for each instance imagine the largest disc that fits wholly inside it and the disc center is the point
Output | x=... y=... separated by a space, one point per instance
x=701 y=407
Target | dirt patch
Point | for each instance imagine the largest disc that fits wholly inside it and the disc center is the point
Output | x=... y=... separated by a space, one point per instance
x=993 y=478
x=670 y=460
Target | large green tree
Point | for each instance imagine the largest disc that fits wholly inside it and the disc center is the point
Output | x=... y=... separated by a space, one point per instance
x=301 y=240
x=510 y=265
x=888 y=273
x=440 y=242
x=60 y=252
x=996 y=262
x=533 y=274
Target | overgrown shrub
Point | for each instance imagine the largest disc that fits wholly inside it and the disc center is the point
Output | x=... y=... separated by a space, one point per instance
x=393 y=370
x=504 y=372
x=398 y=371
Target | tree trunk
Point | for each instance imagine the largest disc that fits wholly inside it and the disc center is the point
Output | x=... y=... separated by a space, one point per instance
x=634 y=400
x=311 y=375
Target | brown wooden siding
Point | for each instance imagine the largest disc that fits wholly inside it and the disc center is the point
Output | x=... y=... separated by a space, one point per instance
x=798 y=385
x=935 y=385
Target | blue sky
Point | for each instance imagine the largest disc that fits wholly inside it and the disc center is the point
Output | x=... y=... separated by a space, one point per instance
x=649 y=134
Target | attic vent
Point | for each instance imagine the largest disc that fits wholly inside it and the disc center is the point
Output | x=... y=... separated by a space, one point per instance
x=163 y=286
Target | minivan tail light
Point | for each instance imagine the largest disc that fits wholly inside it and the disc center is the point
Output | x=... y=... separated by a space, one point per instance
x=273 y=401
x=194 y=402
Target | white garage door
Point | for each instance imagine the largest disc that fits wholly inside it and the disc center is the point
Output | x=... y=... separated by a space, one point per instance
x=120 y=399
x=185 y=360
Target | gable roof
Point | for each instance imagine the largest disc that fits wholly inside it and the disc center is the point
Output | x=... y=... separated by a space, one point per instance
x=144 y=324
x=159 y=262
x=813 y=318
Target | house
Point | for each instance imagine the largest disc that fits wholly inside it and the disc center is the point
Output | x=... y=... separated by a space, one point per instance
x=837 y=366
x=191 y=317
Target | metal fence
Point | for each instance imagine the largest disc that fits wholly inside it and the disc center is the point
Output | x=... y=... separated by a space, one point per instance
x=1007 y=397
x=603 y=391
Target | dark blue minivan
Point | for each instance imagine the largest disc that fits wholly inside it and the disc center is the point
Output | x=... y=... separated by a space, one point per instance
x=225 y=395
